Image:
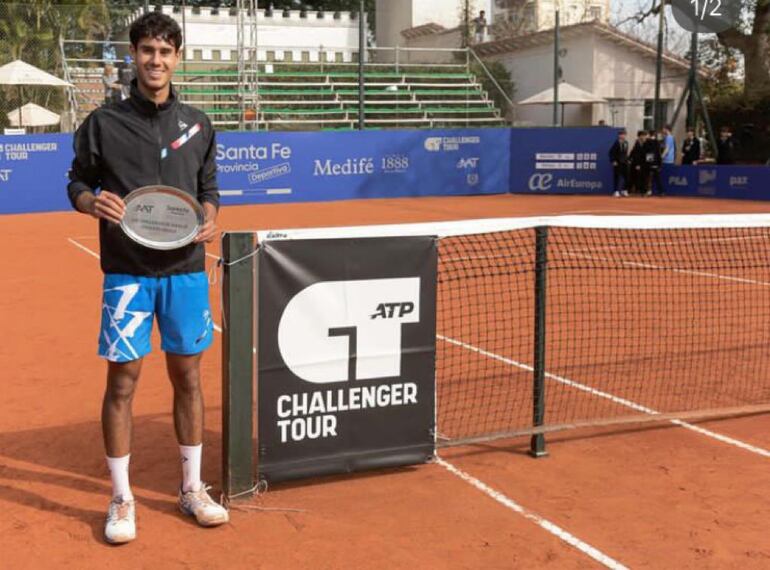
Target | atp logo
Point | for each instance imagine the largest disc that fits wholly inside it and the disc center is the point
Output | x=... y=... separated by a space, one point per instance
x=465 y=163
x=337 y=331
x=144 y=208
x=388 y=310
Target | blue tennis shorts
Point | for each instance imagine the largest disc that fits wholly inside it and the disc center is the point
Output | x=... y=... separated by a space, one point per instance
x=130 y=302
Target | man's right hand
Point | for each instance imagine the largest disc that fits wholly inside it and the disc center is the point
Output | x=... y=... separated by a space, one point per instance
x=105 y=205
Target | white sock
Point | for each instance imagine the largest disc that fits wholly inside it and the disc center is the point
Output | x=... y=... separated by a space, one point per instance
x=118 y=467
x=191 y=467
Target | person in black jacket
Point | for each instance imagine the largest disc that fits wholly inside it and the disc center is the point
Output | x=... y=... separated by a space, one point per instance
x=639 y=169
x=619 y=159
x=150 y=138
x=725 y=147
x=691 y=148
x=653 y=147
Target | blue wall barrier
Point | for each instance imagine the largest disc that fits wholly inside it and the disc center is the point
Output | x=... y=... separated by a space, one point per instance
x=33 y=173
x=302 y=167
x=737 y=182
x=259 y=168
x=561 y=161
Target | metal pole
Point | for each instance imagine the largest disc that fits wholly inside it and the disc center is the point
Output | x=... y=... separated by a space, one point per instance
x=361 y=55
x=146 y=6
x=556 y=68
x=184 y=37
x=537 y=443
x=693 y=79
x=656 y=110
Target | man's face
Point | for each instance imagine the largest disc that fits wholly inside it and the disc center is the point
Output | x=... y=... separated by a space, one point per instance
x=156 y=61
x=690 y=135
x=622 y=137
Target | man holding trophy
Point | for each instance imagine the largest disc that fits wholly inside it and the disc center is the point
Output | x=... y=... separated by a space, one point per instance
x=145 y=167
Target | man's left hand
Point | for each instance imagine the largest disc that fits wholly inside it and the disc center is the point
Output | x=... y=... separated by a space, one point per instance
x=208 y=230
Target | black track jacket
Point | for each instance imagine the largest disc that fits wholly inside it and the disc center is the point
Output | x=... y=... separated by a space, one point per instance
x=135 y=143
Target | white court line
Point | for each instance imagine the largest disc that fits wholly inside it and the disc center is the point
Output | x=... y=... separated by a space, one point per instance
x=545 y=524
x=607 y=396
x=673 y=269
x=84 y=248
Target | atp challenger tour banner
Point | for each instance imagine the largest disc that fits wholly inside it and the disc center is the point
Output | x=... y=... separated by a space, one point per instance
x=33 y=173
x=346 y=353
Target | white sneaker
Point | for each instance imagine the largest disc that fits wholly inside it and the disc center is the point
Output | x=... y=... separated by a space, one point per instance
x=616 y=194
x=624 y=193
x=201 y=506
x=121 y=521
x=648 y=193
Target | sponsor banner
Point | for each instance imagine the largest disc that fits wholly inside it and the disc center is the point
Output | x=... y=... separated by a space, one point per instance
x=736 y=182
x=33 y=173
x=301 y=167
x=346 y=356
x=255 y=168
x=561 y=161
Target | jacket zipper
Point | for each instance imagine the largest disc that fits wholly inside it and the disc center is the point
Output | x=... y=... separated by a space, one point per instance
x=156 y=127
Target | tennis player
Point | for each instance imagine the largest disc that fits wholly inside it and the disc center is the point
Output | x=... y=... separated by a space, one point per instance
x=150 y=138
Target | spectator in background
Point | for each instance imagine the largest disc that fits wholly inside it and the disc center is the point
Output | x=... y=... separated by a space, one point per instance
x=480 y=27
x=639 y=170
x=619 y=159
x=691 y=148
x=725 y=147
x=126 y=77
x=112 y=88
x=654 y=159
x=669 y=146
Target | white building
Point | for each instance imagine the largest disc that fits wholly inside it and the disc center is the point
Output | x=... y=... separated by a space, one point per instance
x=291 y=35
x=395 y=16
x=537 y=15
x=596 y=58
x=505 y=17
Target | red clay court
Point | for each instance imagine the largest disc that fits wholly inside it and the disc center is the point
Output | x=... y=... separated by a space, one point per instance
x=692 y=495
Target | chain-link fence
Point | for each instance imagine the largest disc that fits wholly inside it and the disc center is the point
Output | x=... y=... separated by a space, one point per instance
x=32 y=32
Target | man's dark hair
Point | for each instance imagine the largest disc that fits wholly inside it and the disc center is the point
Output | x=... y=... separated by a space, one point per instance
x=640 y=133
x=725 y=130
x=667 y=127
x=155 y=25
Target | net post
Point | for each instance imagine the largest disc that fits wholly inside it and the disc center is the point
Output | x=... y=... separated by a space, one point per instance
x=238 y=292
x=537 y=443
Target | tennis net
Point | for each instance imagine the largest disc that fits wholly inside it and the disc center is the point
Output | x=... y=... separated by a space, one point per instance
x=549 y=323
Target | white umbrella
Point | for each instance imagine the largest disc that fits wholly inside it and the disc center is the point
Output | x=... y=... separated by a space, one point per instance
x=34 y=116
x=568 y=93
x=20 y=73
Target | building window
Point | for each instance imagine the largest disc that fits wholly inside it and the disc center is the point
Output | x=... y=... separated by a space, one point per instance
x=216 y=55
x=270 y=55
x=288 y=56
x=197 y=54
x=306 y=57
x=596 y=12
x=649 y=119
x=338 y=57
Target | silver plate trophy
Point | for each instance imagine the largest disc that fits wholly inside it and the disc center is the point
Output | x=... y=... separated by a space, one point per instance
x=162 y=217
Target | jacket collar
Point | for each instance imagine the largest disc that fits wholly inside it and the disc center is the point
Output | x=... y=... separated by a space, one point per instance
x=144 y=105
